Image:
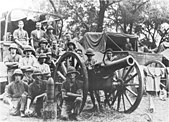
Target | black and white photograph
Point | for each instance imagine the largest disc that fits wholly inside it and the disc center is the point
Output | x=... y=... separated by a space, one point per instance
x=84 y=60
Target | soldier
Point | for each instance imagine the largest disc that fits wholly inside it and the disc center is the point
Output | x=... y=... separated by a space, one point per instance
x=55 y=50
x=36 y=94
x=72 y=95
x=110 y=58
x=12 y=60
x=50 y=36
x=20 y=35
x=42 y=47
x=71 y=46
x=29 y=61
x=27 y=78
x=17 y=93
x=43 y=67
x=128 y=45
x=90 y=62
x=36 y=35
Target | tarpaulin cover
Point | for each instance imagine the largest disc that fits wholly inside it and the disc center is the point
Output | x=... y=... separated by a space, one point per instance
x=100 y=41
x=95 y=41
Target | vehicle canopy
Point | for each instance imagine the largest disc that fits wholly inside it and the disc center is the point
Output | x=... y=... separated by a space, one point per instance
x=100 y=41
x=9 y=21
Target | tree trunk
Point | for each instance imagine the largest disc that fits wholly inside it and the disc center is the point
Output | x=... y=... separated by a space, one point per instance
x=100 y=21
x=131 y=27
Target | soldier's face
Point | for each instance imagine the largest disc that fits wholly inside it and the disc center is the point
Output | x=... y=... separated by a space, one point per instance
x=38 y=26
x=13 y=51
x=17 y=78
x=20 y=25
x=28 y=53
x=72 y=77
x=109 y=54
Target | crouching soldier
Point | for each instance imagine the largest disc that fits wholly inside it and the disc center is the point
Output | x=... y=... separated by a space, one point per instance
x=17 y=94
x=72 y=95
x=36 y=94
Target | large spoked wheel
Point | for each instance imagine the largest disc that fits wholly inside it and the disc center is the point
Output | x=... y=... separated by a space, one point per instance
x=70 y=59
x=129 y=90
x=164 y=79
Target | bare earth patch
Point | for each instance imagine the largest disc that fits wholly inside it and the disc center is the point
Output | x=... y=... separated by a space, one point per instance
x=141 y=114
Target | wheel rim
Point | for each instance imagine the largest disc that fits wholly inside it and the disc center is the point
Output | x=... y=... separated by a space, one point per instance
x=164 y=79
x=66 y=60
x=128 y=92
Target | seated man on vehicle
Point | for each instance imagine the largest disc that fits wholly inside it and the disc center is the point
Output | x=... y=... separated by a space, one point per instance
x=29 y=61
x=21 y=36
x=36 y=94
x=36 y=35
x=128 y=45
x=17 y=94
x=42 y=47
x=12 y=61
x=72 y=95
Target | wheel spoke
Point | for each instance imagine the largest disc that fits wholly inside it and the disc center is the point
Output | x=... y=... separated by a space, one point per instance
x=114 y=99
x=128 y=98
x=61 y=75
x=133 y=84
x=125 y=76
x=130 y=78
x=63 y=68
x=131 y=91
x=123 y=102
x=119 y=100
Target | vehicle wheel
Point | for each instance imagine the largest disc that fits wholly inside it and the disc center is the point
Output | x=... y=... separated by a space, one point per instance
x=66 y=60
x=129 y=89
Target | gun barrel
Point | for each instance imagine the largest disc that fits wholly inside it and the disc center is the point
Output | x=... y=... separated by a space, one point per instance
x=120 y=63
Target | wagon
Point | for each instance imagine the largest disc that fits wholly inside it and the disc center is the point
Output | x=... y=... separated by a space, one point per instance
x=124 y=93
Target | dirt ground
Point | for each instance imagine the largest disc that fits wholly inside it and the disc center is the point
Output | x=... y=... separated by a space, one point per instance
x=141 y=114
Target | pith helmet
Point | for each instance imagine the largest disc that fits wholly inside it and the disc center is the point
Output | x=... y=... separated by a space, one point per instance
x=109 y=50
x=71 y=43
x=42 y=55
x=14 y=46
x=43 y=40
x=71 y=70
x=36 y=73
x=29 y=48
x=17 y=72
x=89 y=52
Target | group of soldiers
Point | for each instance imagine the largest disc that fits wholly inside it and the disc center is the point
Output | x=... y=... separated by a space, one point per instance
x=31 y=69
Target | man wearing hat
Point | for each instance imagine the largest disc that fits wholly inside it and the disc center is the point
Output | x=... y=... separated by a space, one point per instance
x=36 y=35
x=90 y=62
x=110 y=58
x=12 y=60
x=72 y=95
x=43 y=67
x=17 y=93
x=42 y=47
x=27 y=78
x=71 y=46
x=36 y=94
x=29 y=61
x=50 y=35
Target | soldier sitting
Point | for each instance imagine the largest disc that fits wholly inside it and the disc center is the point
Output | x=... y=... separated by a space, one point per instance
x=71 y=46
x=17 y=94
x=42 y=47
x=72 y=95
x=36 y=94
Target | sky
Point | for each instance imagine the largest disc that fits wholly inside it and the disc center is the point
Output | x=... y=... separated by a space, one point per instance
x=6 y=5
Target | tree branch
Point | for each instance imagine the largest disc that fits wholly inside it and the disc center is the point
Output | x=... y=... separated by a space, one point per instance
x=53 y=5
